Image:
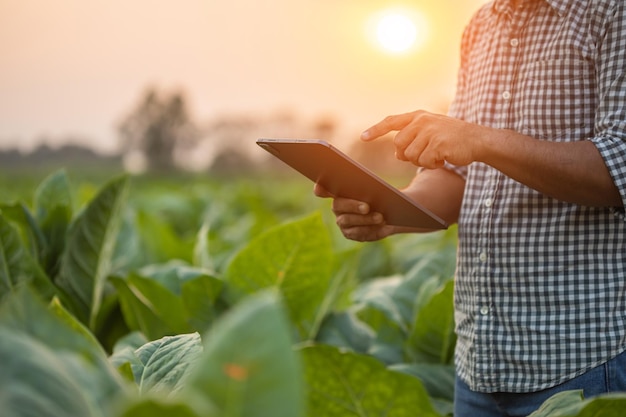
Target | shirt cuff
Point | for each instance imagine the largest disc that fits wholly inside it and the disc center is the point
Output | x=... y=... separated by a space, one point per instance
x=613 y=151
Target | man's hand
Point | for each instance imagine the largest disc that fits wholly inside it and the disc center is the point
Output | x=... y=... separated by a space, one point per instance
x=429 y=140
x=355 y=220
x=569 y=171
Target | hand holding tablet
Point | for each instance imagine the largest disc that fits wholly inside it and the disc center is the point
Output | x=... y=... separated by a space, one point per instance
x=340 y=175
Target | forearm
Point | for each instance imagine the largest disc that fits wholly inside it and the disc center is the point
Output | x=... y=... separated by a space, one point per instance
x=438 y=190
x=569 y=171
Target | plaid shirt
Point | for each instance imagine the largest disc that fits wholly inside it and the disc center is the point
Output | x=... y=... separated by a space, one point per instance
x=541 y=284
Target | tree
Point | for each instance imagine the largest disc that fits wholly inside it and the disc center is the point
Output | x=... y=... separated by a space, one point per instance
x=157 y=127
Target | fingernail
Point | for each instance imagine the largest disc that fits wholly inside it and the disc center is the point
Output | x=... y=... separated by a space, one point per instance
x=378 y=218
x=363 y=209
x=365 y=135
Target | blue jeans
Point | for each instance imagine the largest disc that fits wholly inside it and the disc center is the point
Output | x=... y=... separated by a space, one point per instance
x=609 y=377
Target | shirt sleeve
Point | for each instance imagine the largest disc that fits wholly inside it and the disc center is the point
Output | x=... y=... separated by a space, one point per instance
x=610 y=120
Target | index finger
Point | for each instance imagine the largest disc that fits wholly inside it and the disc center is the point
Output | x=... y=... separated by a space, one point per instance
x=388 y=124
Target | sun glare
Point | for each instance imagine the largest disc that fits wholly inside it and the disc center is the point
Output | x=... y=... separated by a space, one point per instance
x=400 y=31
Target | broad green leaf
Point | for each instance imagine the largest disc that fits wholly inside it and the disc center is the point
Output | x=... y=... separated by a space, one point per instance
x=345 y=384
x=296 y=258
x=378 y=295
x=375 y=260
x=132 y=341
x=163 y=364
x=27 y=227
x=54 y=190
x=140 y=314
x=423 y=280
x=433 y=339
x=438 y=380
x=345 y=330
x=159 y=241
x=201 y=251
x=439 y=248
x=17 y=267
x=168 y=299
x=124 y=357
x=60 y=312
x=76 y=352
x=572 y=404
x=157 y=407
x=342 y=283
x=375 y=305
x=53 y=206
x=86 y=262
x=35 y=381
x=201 y=301
x=564 y=404
x=248 y=367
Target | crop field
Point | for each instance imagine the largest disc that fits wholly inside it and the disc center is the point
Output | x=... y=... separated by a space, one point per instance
x=188 y=297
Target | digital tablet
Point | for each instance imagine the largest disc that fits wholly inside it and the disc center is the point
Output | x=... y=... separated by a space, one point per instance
x=342 y=176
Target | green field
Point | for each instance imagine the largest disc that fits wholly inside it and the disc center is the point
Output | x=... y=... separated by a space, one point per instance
x=197 y=296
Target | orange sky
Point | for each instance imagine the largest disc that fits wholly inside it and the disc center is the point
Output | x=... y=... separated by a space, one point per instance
x=74 y=67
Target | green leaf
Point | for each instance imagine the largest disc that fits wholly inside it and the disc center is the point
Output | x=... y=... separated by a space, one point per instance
x=86 y=262
x=54 y=191
x=17 y=267
x=201 y=301
x=437 y=249
x=438 y=380
x=60 y=312
x=248 y=367
x=201 y=253
x=155 y=407
x=35 y=382
x=375 y=305
x=162 y=364
x=433 y=339
x=344 y=384
x=563 y=404
x=27 y=227
x=420 y=283
x=572 y=404
x=61 y=336
x=141 y=314
x=345 y=330
x=378 y=295
x=53 y=205
x=167 y=299
x=295 y=258
x=159 y=241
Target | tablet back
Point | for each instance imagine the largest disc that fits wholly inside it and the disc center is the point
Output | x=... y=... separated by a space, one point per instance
x=342 y=176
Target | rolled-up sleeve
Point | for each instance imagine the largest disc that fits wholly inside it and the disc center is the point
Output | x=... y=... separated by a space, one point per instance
x=610 y=120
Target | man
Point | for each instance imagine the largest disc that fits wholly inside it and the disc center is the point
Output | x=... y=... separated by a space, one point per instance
x=531 y=162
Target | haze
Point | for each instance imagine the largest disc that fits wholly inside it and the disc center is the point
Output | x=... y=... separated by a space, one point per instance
x=73 y=68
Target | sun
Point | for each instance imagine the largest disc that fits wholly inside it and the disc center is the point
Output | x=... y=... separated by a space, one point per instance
x=400 y=31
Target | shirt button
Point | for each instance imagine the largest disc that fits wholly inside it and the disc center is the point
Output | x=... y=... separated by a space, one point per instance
x=484 y=310
x=514 y=42
x=482 y=257
x=488 y=202
x=506 y=95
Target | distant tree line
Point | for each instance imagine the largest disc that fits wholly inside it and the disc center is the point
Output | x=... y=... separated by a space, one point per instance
x=46 y=157
x=161 y=132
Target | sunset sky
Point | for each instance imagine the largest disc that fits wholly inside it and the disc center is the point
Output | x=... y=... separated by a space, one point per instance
x=75 y=67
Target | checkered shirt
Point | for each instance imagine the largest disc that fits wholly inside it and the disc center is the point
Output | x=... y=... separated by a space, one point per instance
x=541 y=284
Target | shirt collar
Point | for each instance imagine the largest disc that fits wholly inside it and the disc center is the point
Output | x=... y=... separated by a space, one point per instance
x=562 y=7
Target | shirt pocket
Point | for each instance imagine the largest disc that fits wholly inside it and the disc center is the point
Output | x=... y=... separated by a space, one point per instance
x=558 y=96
